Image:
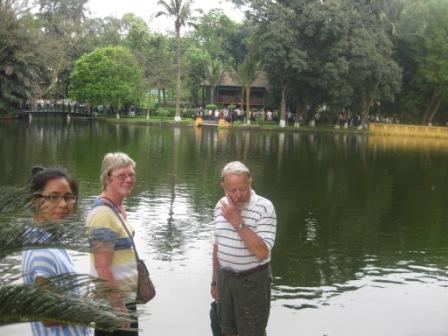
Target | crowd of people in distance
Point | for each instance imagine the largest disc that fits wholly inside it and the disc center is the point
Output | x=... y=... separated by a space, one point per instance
x=340 y=120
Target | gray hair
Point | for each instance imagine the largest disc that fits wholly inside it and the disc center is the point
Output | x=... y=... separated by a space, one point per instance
x=237 y=168
x=114 y=161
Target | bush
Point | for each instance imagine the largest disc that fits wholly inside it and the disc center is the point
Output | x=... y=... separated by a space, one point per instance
x=212 y=107
x=163 y=112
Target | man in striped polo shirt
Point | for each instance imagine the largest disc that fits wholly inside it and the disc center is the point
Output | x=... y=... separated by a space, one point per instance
x=245 y=228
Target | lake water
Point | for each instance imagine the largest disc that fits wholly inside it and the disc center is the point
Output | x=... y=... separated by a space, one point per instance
x=362 y=243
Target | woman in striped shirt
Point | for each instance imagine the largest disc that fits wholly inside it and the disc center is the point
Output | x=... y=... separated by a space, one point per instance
x=53 y=197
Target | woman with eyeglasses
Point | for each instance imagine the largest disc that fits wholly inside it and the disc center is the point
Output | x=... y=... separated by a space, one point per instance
x=53 y=197
x=113 y=257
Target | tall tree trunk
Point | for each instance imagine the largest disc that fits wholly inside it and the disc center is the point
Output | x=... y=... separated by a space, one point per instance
x=242 y=98
x=430 y=106
x=298 y=110
x=364 y=106
x=248 y=103
x=194 y=95
x=203 y=96
x=164 y=96
x=148 y=111
x=177 y=117
x=212 y=94
x=283 y=106
x=435 y=108
x=372 y=97
x=159 y=96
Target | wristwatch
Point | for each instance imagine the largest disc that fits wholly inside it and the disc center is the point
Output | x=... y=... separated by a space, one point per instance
x=241 y=226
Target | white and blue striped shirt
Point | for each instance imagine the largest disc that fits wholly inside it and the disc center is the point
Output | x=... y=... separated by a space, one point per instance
x=46 y=263
x=259 y=215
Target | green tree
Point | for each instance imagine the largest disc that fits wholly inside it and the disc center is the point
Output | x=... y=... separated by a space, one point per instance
x=214 y=72
x=246 y=73
x=195 y=60
x=180 y=11
x=62 y=23
x=107 y=76
x=21 y=66
x=152 y=52
x=278 y=44
x=220 y=37
x=108 y=31
x=333 y=53
x=420 y=43
x=432 y=72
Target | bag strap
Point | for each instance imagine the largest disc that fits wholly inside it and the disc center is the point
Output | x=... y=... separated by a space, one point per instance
x=107 y=202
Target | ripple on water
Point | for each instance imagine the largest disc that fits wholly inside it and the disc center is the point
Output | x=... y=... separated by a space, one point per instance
x=404 y=272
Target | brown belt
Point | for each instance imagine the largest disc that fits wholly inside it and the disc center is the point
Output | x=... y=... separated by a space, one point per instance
x=247 y=272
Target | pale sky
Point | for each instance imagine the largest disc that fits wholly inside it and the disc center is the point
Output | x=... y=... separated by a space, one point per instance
x=146 y=8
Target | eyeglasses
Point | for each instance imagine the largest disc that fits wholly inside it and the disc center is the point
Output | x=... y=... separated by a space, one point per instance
x=123 y=177
x=56 y=198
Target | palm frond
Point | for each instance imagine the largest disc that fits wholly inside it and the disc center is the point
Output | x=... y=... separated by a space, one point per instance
x=10 y=270
x=14 y=200
x=180 y=10
x=167 y=8
x=19 y=233
x=54 y=299
x=30 y=302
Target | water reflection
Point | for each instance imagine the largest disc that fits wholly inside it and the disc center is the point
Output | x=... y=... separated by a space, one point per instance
x=168 y=222
x=407 y=143
x=371 y=275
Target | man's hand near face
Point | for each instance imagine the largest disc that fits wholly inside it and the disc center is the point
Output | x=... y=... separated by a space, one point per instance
x=231 y=212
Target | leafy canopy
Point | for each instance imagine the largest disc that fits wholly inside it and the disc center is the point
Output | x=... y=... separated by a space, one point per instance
x=107 y=76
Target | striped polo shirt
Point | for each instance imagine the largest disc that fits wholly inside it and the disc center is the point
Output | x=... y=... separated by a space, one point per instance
x=46 y=263
x=103 y=225
x=259 y=215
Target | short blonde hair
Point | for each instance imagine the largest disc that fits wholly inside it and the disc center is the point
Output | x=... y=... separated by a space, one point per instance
x=237 y=168
x=112 y=161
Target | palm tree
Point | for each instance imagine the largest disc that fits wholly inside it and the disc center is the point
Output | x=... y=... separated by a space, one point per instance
x=52 y=299
x=180 y=11
x=214 y=71
x=245 y=74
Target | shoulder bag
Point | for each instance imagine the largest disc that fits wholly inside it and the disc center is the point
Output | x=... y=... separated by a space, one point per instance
x=145 y=287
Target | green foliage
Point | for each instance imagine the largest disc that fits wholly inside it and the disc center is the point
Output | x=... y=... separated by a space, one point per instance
x=62 y=28
x=108 y=31
x=280 y=47
x=326 y=53
x=342 y=54
x=421 y=50
x=246 y=73
x=163 y=112
x=194 y=67
x=214 y=72
x=156 y=58
x=221 y=38
x=21 y=67
x=107 y=76
x=212 y=107
x=432 y=72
